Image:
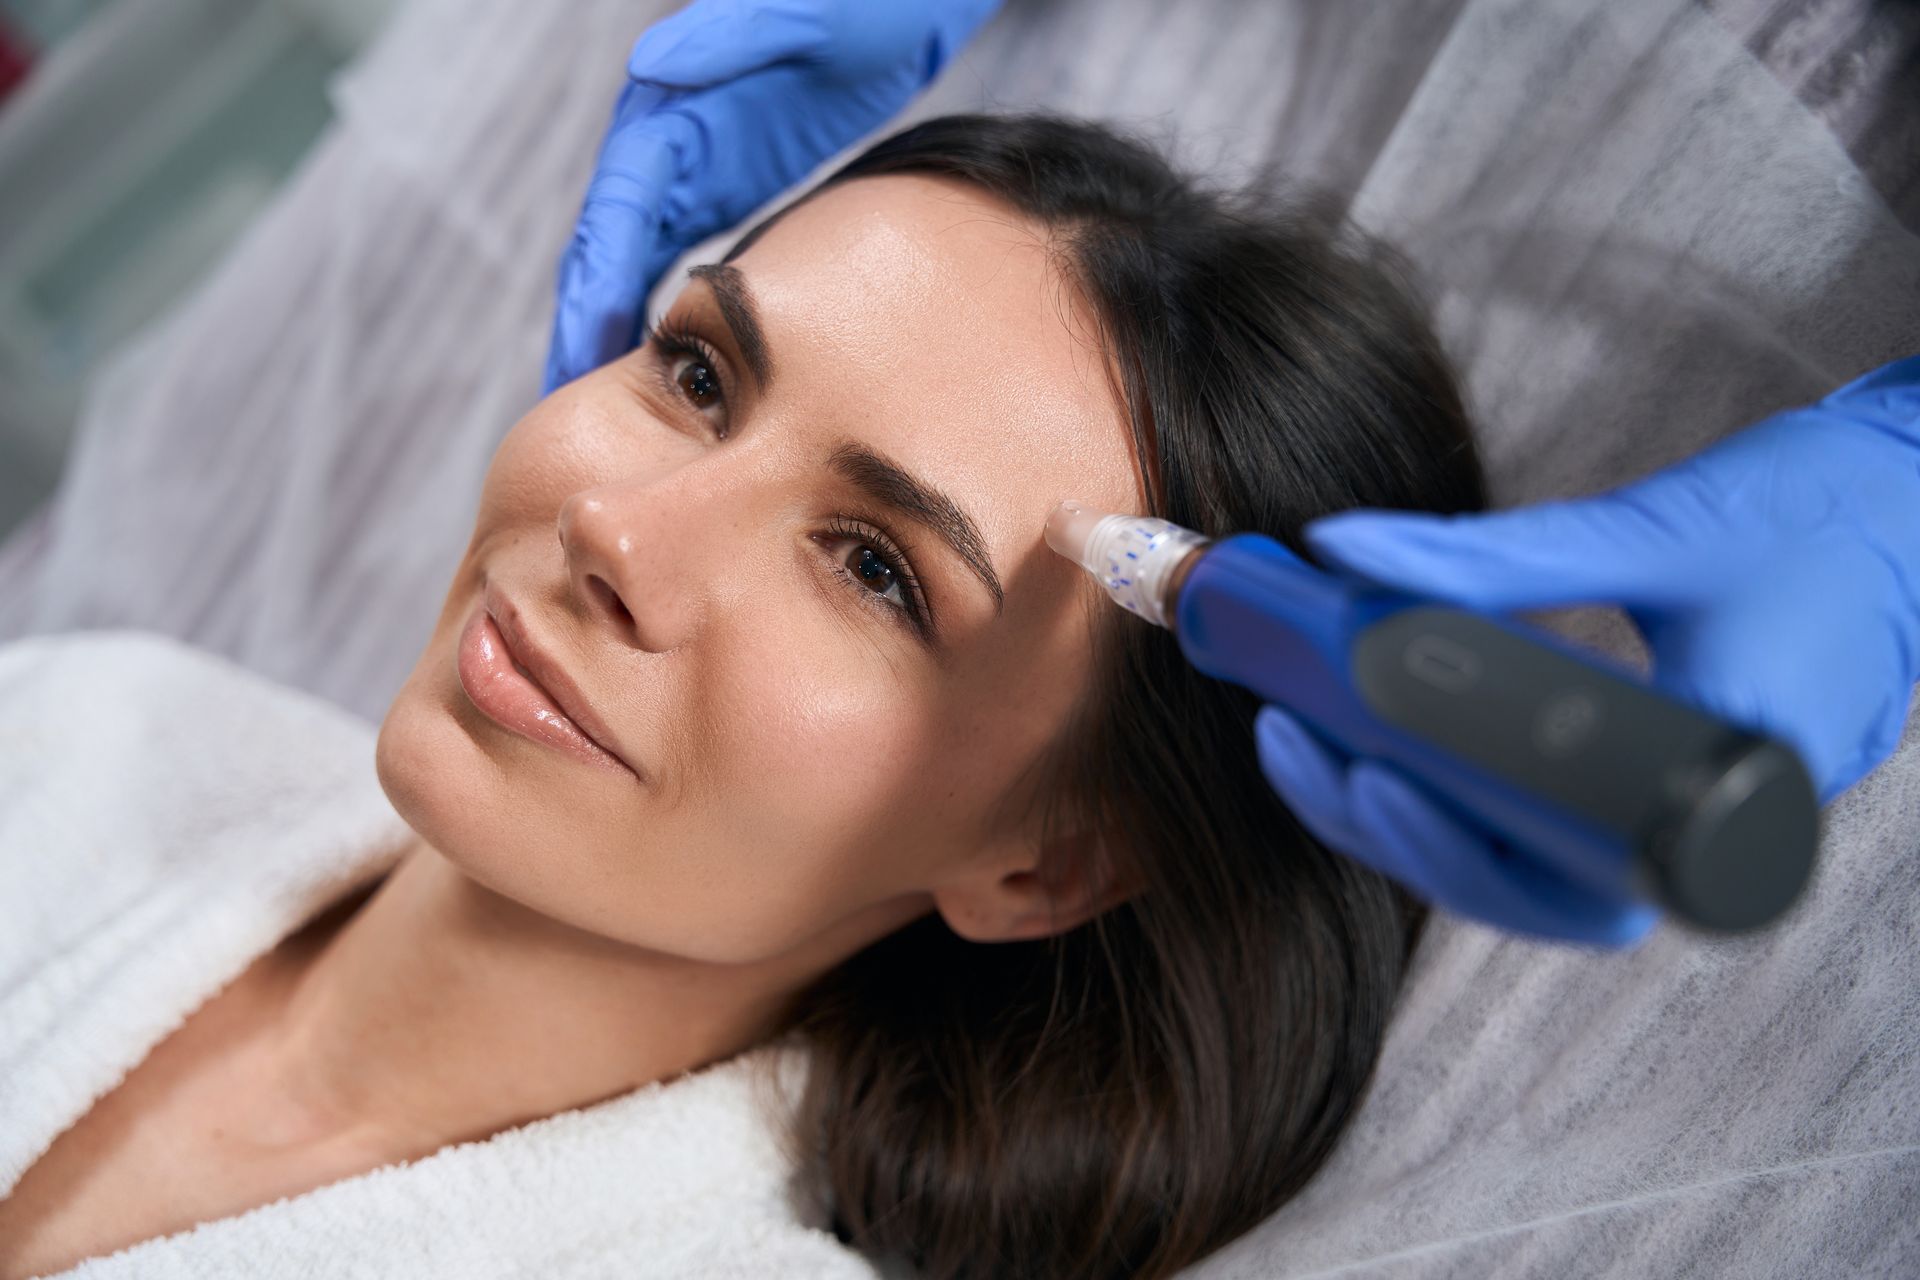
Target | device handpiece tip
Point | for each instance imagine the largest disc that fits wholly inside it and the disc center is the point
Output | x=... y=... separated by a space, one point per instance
x=1133 y=557
x=1068 y=528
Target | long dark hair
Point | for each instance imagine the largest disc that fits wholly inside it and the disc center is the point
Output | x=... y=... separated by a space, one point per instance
x=1128 y=1096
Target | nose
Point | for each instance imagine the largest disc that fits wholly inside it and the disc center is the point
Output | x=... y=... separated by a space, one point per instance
x=637 y=558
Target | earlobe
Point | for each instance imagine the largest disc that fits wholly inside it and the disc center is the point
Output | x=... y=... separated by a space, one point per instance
x=1070 y=882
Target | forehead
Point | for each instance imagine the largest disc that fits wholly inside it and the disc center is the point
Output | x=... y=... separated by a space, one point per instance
x=937 y=322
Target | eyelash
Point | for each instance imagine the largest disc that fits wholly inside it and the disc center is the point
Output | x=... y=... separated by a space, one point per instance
x=914 y=610
x=672 y=341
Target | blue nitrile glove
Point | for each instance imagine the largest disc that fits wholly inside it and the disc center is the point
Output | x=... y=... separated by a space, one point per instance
x=730 y=103
x=1775 y=577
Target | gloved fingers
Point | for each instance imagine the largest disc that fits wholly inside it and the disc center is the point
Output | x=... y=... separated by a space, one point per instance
x=1483 y=879
x=1820 y=661
x=959 y=19
x=1882 y=740
x=1891 y=392
x=952 y=30
x=1611 y=548
x=603 y=286
x=1367 y=813
x=596 y=298
x=713 y=41
x=1313 y=780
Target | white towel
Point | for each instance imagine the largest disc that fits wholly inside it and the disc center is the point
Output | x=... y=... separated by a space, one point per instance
x=165 y=818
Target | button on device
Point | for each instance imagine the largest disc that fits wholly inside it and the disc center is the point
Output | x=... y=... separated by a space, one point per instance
x=1566 y=722
x=1445 y=664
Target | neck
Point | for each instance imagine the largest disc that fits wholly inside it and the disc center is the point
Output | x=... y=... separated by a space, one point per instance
x=439 y=1011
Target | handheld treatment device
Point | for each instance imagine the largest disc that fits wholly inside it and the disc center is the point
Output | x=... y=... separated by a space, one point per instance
x=1569 y=757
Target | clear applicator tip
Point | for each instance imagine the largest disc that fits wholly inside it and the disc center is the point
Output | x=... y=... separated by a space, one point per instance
x=1133 y=557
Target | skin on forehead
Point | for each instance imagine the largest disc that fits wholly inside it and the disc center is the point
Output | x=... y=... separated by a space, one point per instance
x=937 y=324
x=973 y=353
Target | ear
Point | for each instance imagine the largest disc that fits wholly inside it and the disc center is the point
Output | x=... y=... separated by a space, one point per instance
x=1038 y=893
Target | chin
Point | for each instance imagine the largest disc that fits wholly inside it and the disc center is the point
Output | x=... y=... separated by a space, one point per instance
x=472 y=809
x=435 y=775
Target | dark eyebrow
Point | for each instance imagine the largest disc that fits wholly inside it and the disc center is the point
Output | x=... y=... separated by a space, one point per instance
x=888 y=483
x=737 y=309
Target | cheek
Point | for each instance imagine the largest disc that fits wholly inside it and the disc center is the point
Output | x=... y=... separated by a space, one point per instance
x=827 y=784
x=827 y=751
x=837 y=781
x=434 y=776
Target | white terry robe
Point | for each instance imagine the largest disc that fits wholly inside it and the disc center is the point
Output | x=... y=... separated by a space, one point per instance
x=166 y=817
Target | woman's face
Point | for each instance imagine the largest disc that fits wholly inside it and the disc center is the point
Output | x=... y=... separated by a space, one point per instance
x=718 y=539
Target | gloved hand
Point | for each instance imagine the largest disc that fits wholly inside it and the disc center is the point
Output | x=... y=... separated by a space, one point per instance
x=731 y=102
x=1775 y=577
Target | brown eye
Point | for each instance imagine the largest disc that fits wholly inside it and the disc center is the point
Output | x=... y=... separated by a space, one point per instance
x=697 y=381
x=879 y=572
x=872 y=571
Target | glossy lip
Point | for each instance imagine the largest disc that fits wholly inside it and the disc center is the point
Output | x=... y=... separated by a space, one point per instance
x=548 y=678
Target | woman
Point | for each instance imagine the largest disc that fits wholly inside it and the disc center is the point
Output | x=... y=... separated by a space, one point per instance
x=758 y=711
